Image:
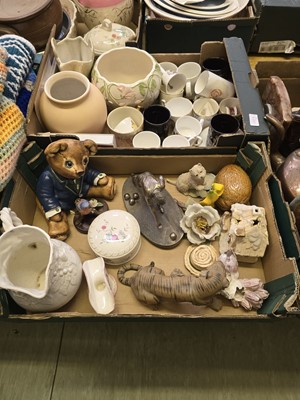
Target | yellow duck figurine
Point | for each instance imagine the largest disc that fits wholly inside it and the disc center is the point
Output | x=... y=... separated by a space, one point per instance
x=215 y=192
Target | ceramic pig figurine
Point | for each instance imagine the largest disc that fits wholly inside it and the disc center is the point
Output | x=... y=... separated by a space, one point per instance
x=68 y=177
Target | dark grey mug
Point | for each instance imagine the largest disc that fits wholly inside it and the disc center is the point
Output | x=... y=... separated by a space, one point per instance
x=221 y=124
x=217 y=65
x=157 y=118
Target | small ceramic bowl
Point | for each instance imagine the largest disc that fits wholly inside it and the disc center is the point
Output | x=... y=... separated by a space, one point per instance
x=115 y=236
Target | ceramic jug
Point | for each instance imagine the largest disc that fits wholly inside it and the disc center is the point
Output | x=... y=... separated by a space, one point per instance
x=41 y=274
x=73 y=54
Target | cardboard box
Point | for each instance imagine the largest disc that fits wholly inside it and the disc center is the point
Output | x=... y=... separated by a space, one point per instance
x=277 y=30
x=233 y=49
x=164 y=35
x=279 y=272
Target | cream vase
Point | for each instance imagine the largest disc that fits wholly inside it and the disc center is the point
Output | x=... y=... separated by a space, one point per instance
x=70 y=103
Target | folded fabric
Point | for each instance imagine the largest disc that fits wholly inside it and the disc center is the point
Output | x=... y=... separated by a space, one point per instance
x=12 y=127
x=19 y=61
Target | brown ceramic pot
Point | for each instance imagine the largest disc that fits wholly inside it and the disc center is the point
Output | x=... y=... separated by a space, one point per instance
x=31 y=19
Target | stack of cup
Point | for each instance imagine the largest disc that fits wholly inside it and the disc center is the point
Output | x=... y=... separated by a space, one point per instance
x=173 y=82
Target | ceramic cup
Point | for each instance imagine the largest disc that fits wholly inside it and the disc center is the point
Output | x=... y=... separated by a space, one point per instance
x=146 y=140
x=211 y=85
x=222 y=124
x=125 y=122
x=204 y=109
x=172 y=81
x=190 y=128
x=217 y=65
x=179 y=107
x=165 y=97
x=176 y=141
x=192 y=71
x=168 y=66
x=231 y=105
x=157 y=118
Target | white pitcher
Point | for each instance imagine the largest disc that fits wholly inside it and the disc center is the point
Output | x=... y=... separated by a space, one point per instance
x=40 y=273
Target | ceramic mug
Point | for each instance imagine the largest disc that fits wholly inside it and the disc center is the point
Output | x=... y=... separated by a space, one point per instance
x=211 y=85
x=146 y=140
x=157 y=118
x=204 y=109
x=222 y=124
x=165 y=97
x=190 y=128
x=192 y=71
x=217 y=65
x=176 y=141
x=231 y=105
x=179 y=107
x=172 y=81
x=125 y=122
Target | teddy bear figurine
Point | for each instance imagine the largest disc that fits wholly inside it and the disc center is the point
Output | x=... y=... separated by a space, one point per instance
x=67 y=178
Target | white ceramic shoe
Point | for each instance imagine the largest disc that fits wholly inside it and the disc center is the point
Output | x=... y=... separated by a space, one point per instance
x=102 y=286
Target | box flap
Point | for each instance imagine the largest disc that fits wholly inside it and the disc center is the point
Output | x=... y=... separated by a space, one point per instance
x=250 y=100
x=252 y=161
x=285 y=222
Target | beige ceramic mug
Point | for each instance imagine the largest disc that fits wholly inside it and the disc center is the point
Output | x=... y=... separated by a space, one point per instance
x=125 y=122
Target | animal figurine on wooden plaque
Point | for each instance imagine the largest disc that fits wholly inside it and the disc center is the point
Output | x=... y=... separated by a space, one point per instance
x=150 y=284
x=68 y=177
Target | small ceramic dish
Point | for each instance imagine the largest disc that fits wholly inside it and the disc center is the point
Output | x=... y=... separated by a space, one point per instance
x=108 y=36
x=115 y=236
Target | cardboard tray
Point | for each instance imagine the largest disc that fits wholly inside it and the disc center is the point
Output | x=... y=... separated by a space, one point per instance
x=164 y=35
x=278 y=271
x=233 y=49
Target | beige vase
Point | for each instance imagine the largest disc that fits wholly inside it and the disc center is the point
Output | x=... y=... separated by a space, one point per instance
x=71 y=104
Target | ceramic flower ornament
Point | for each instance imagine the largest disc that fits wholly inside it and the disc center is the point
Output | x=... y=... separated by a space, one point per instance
x=201 y=223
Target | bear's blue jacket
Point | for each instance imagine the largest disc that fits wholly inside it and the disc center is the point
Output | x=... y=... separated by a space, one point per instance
x=55 y=191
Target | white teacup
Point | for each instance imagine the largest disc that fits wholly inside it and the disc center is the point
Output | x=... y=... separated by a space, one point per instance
x=214 y=86
x=172 y=81
x=168 y=66
x=231 y=105
x=176 y=141
x=165 y=97
x=146 y=140
x=192 y=71
x=190 y=128
x=204 y=109
x=179 y=107
x=125 y=122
